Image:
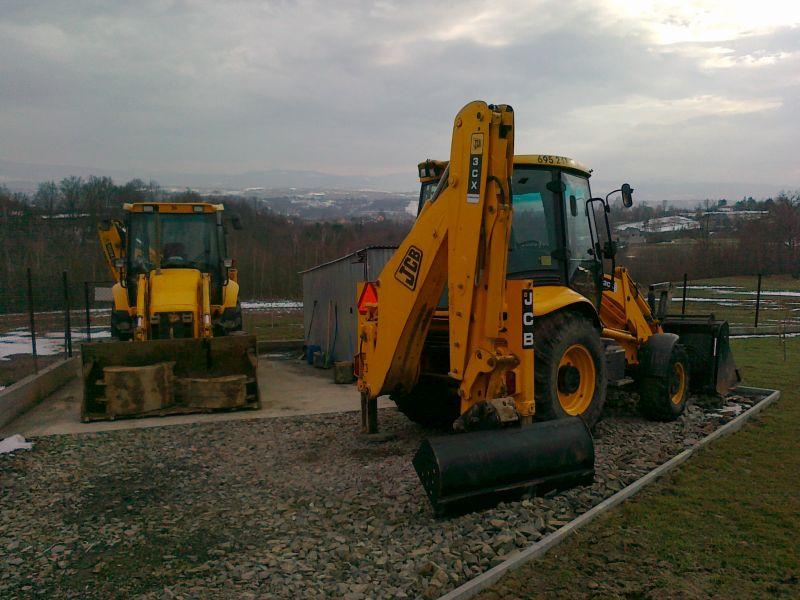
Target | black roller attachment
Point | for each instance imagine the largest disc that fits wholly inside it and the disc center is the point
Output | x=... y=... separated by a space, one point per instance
x=468 y=471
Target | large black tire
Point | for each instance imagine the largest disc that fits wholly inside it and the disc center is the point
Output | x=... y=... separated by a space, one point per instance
x=563 y=387
x=119 y=336
x=663 y=396
x=432 y=403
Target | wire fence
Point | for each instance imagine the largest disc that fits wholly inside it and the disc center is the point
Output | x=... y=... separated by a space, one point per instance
x=760 y=301
x=56 y=316
x=34 y=337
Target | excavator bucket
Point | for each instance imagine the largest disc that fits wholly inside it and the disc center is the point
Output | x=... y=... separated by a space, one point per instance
x=162 y=377
x=469 y=471
x=707 y=342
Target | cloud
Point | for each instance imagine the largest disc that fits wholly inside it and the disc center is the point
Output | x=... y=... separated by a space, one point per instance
x=358 y=87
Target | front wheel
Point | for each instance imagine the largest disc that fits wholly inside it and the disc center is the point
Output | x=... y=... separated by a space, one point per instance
x=663 y=397
x=569 y=368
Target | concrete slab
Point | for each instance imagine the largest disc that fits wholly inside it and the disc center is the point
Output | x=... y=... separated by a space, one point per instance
x=288 y=387
x=17 y=399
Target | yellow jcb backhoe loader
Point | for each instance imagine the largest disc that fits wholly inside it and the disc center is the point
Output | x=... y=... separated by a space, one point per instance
x=176 y=321
x=623 y=338
x=461 y=239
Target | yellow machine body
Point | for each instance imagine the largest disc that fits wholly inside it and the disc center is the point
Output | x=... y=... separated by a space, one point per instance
x=167 y=295
x=624 y=318
x=176 y=302
x=485 y=359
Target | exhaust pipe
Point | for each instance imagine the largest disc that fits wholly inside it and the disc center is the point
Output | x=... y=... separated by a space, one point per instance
x=470 y=471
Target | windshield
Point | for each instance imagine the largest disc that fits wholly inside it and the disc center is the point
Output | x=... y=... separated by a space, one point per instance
x=186 y=241
x=534 y=230
x=426 y=192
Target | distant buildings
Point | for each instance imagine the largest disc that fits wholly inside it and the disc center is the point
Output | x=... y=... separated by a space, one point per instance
x=720 y=219
x=661 y=225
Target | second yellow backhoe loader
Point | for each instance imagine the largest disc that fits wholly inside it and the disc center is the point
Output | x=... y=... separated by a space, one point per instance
x=461 y=239
x=557 y=242
x=176 y=320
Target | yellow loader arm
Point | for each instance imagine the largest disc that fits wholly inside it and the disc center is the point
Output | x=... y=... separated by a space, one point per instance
x=461 y=237
x=112 y=245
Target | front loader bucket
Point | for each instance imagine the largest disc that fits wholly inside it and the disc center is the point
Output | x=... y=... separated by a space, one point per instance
x=468 y=471
x=161 y=377
x=707 y=342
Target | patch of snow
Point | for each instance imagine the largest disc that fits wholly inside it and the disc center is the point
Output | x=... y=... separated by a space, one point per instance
x=14 y=442
x=764 y=335
x=720 y=301
x=715 y=288
x=262 y=304
x=48 y=343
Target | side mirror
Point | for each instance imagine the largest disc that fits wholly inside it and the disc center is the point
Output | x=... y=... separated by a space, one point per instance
x=627 y=195
x=573 y=205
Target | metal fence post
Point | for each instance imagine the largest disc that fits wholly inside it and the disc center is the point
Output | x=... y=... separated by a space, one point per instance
x=32 y=322
x=683 y=304
x=67 y=323
x=88 y=313
x=758 y=298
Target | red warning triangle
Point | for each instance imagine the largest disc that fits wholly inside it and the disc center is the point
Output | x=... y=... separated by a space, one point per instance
x=369 y=296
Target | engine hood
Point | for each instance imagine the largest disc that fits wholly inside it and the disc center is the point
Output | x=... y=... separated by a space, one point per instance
x=174 y=290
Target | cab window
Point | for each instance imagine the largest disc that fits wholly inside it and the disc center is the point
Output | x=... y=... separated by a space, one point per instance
x=534 y=228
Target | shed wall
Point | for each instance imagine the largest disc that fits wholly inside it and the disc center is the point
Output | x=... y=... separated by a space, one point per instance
x=329 y=300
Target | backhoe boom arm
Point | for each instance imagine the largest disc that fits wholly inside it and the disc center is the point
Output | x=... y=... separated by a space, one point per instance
x=460 y=238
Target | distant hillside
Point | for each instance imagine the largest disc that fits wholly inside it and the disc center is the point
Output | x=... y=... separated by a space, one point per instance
x=25 y=177
x=332 y=205
x=269 y=251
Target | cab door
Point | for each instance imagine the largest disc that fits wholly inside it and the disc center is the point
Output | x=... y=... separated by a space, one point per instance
x=583 y=269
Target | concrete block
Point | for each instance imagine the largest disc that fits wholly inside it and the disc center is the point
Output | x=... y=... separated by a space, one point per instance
x=26 y=393
x=213 y=392
x=135 y=390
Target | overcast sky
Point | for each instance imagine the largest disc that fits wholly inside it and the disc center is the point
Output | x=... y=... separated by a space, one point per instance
x=651 y=92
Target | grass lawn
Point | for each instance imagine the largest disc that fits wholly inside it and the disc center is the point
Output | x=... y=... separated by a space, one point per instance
x=726 y=524
x=283 y=324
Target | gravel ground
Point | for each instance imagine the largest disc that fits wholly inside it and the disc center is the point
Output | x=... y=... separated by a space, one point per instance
x=286 y=508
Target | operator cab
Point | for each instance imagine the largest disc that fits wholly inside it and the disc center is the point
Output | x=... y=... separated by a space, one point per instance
x=430 y=172
x=554 y=235
x=175 y=236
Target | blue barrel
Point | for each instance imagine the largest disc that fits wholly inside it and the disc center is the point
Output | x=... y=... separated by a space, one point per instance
x=310 y=350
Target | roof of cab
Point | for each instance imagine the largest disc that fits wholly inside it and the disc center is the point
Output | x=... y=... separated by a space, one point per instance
x=538 y=160
x=552 y=160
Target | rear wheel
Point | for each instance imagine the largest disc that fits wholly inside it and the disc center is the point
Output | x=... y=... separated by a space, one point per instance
x=120 y=336
x=569 y=368
x=663 y=397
